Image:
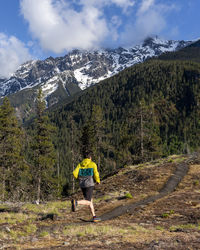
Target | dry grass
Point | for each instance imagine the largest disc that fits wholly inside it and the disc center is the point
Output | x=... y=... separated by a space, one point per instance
x=96 y=230
x=14 y=218
x=50 y=207
x=195 y=169
x=156 y=222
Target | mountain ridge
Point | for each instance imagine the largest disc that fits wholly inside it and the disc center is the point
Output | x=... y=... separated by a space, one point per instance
x=83 y=68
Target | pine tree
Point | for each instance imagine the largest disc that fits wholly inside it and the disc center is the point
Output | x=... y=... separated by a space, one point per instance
x=139 y=135
x=44 y=156
x=74 y=151
x=126 y=138
x=14 y=171
x=98 y=124
x=148 y=132
x=87 y=139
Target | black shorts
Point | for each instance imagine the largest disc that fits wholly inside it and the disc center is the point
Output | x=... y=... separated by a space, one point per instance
x=87 y=193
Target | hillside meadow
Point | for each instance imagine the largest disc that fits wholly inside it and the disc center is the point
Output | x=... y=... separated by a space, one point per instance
x=172 y=222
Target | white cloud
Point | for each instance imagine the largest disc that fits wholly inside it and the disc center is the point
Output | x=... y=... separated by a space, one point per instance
x=145 y=6
x=116 y=21
x=150 y=19
x=150 y=23
x=124 y=4
x=12 y=54
x=63 y=25
x=59 y=27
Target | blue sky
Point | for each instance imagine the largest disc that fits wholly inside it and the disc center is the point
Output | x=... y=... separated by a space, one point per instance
x=37 y=29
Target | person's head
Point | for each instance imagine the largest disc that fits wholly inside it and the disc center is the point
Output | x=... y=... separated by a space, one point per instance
x=88 y=155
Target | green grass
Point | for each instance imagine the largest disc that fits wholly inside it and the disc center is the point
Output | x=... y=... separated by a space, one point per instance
x=2 y=206
x=3 y=235
x=103 y=198
x=196 y=183
x=16 y=234
x=185 y=226
x=160 y=228
x=13 y=218
x=129 y=196
x=50 y=207
x=100 y=230
x=94 y=230
x=43 y=234
x=167 y=214
x=30 y=228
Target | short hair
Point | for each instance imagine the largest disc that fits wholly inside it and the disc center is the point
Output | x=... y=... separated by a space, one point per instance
x=87 y=155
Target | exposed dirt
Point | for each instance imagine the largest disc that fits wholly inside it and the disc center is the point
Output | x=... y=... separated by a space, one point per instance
x=169 y=186
x=164 y=212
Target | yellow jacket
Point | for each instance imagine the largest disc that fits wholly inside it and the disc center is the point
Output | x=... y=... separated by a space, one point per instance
x=85 y=172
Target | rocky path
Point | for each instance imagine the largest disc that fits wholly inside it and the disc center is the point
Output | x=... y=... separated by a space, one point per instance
x=169 y=187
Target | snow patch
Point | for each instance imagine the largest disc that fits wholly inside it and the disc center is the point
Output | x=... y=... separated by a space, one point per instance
x=50 y=86
x=88 y=65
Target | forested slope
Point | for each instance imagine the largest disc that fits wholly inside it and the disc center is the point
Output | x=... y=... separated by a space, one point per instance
x=147 y=111
x=189 y=53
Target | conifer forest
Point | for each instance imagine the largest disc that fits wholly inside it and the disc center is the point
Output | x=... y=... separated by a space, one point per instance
x=148 y=111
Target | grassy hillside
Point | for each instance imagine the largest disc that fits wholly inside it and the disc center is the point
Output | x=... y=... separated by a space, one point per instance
x=171 y=222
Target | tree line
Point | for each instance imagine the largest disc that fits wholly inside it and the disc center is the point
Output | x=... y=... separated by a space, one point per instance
x=31 y=156
x=27 y=161
x=148 y=111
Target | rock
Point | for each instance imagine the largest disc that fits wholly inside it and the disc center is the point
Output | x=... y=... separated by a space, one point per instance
x=7 y=229
x=49 y=216
x=108 y=242
x=34 y=240
x=37 y=202
x=66 y=243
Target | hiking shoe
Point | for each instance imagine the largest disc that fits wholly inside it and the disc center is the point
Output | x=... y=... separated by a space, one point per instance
x=96 y=219
x=74 y=205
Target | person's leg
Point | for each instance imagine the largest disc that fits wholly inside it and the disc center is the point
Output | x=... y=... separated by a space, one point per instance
x=87 y=203
x=83 y=202
x=92 y=208
x=87 y=193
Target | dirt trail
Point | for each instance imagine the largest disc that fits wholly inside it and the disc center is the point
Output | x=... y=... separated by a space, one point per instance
x=170 y=186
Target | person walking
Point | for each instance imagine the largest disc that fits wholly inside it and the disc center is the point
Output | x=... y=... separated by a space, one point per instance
x=86 y=172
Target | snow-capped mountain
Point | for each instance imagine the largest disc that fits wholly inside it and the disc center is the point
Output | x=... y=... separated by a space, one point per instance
x=82 y=69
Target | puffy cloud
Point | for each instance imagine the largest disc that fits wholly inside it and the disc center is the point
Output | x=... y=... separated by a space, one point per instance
x=150 y=19
x=59 y=27
x=151 y=23
x=115 y=23
x=145 y=6
x=124 y=4
x=63 y=25
x=12 y=54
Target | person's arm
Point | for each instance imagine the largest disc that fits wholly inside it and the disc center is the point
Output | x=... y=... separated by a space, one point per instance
x=76 y=171
x=96 y=174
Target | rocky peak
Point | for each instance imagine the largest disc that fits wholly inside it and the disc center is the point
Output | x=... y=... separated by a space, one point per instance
x=83 y=68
